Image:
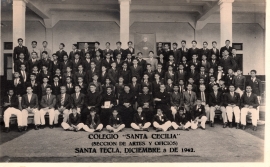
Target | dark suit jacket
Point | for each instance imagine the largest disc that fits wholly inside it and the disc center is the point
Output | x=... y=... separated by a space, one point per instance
x=142 y=63
x=113 y=75
x=55 y=65
x=94 y=53
x=72 y=54
x=251 y=101
x=229 y=99
x=20 y=88
x=239 y=82
x=64 y=65
x=17 y=50
x=31 y=64
x=225 y=48
x=191 y=52
x=98 y=63
x=119 y=64
x=61 y=55
x=103 y=78
x=48 y=75
x=215 y=100
x=227 y=63
x=170 y=76
x=33 y=102
x=76 y=65
x=51 y=102
x=163 y=119
x=189 y=99
x=183 y=52
x=139 y=119
x=180 y=119
x=106 y=63
x=177 y=56
x=47 y=63
x=17 y=65
x=74 y=120
x=215 y=53
x=126 y=75
x=256 y=86
x=89 y=75
x=166 y=54
x=197 y=112
x=135 y=89
x=206 y=94
x=214 y=65
x=116 y=52
x=14 y=101
x=86 y=65
x=78 y=103
x=90 y=121
x=205 y=52
x=105 y=51
x=115 y=121
x=56 y=89
x=145 y=98
x=83 y=52
x=176 y=99
x=36 y=87
x=161 y=73
x=71 y=89
x=78 y=74
x=238 y=60
x=136 y=72
x=67 y=101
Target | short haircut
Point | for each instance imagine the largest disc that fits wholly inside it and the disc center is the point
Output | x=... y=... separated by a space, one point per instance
x=129 y=42
x=175 y=44
x=45 y=42
x=253 y=71
x=205 y=42
x=194 y=41
x=151 y=52
x=119 y=43
x=34 y=42
x=20 y=39
x=139 y=53
x=108 y=43
x=62 y=44
x=184 y=41
x=97 y=43
x=227 y=40
x=214 y=42
x=45 y=52
x=48 y=87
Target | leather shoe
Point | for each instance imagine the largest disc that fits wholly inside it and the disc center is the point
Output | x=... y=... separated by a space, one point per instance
x=231 y=125
x=42 y=126
x=25 y=128
x=19 y=129
x=243 y=127
x=51 y=126
x=202 y=128
x=211 y=124
x=36 y=127
x=186 y=129
x=7 y=130
x=237 y=126
x=254 y=128
x=225 y=125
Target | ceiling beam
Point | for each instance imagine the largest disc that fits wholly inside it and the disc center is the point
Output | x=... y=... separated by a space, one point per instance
x=38 y=8
x=208 y=12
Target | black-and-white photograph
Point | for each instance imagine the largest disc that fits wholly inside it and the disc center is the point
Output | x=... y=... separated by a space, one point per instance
x=133 y=81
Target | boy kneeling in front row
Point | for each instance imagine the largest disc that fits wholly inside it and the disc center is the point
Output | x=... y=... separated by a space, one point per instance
x=74 y=121
x=161 y=122
x=115 y=122
x=139 y=121
x=181 y=122
x=92 y=123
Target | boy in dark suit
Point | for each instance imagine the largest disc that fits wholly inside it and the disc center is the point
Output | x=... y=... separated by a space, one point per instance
x=92 y=123
x=139 y=121
x=204 y=51
x=239 y=82
x=21 y=60
x=77 y=99
x=60 y=53
x=108 y=50
x=113 y=73
x=69 y=85
x=232 y=104
x=214 y=50
x=55 y=64
x=180 y=120
x=118 y=50
x=33 y=62
x=47 y=105
x=63 y=105
x=66 y=63
x=198 y=115
x=249 y=104
x=11 y=107
x=97 y=50
x=76 y=62
x=115 y=122
x=79 y=73
x=74 y=121
x=56 y=86
x=30 y=105
x=227 y=47
x=45 y=61
x=216 y=103
x=18 y=85
x=145 y=100
x=161 y=122
x=125 y=73
x=107 y=61
x=109 y=98
x=43 y=86
x=141 y=61
x=46 y=73
x=20 y=49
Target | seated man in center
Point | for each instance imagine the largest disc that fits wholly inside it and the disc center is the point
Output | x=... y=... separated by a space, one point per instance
x=216 y=103
x=92 y=123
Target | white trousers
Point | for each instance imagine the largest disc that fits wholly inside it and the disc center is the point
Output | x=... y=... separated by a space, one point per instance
x=67 y=126
x=43 y=111
x=175 y=126
x=212 y=113
x=87 y=129
x=66 y=113
x=8 y=112
x=109 y=127
x=136 y=127
x=164 y=126
x=202 y=121
x=207 y=111
x=230 y=111
x=25 y=113
x=254 y=115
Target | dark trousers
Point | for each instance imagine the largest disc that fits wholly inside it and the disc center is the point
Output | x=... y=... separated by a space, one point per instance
x=105 y=116
x=126 y=114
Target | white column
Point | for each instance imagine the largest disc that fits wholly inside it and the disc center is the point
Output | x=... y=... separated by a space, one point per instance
x=225 y=20
x=124 y=21
x=18 y=21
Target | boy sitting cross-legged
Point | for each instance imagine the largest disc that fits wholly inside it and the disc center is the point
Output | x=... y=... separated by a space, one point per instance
x=161 y=122
x=115 y=122
x=92 y=123
x=74 y=121
x=139 y=121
